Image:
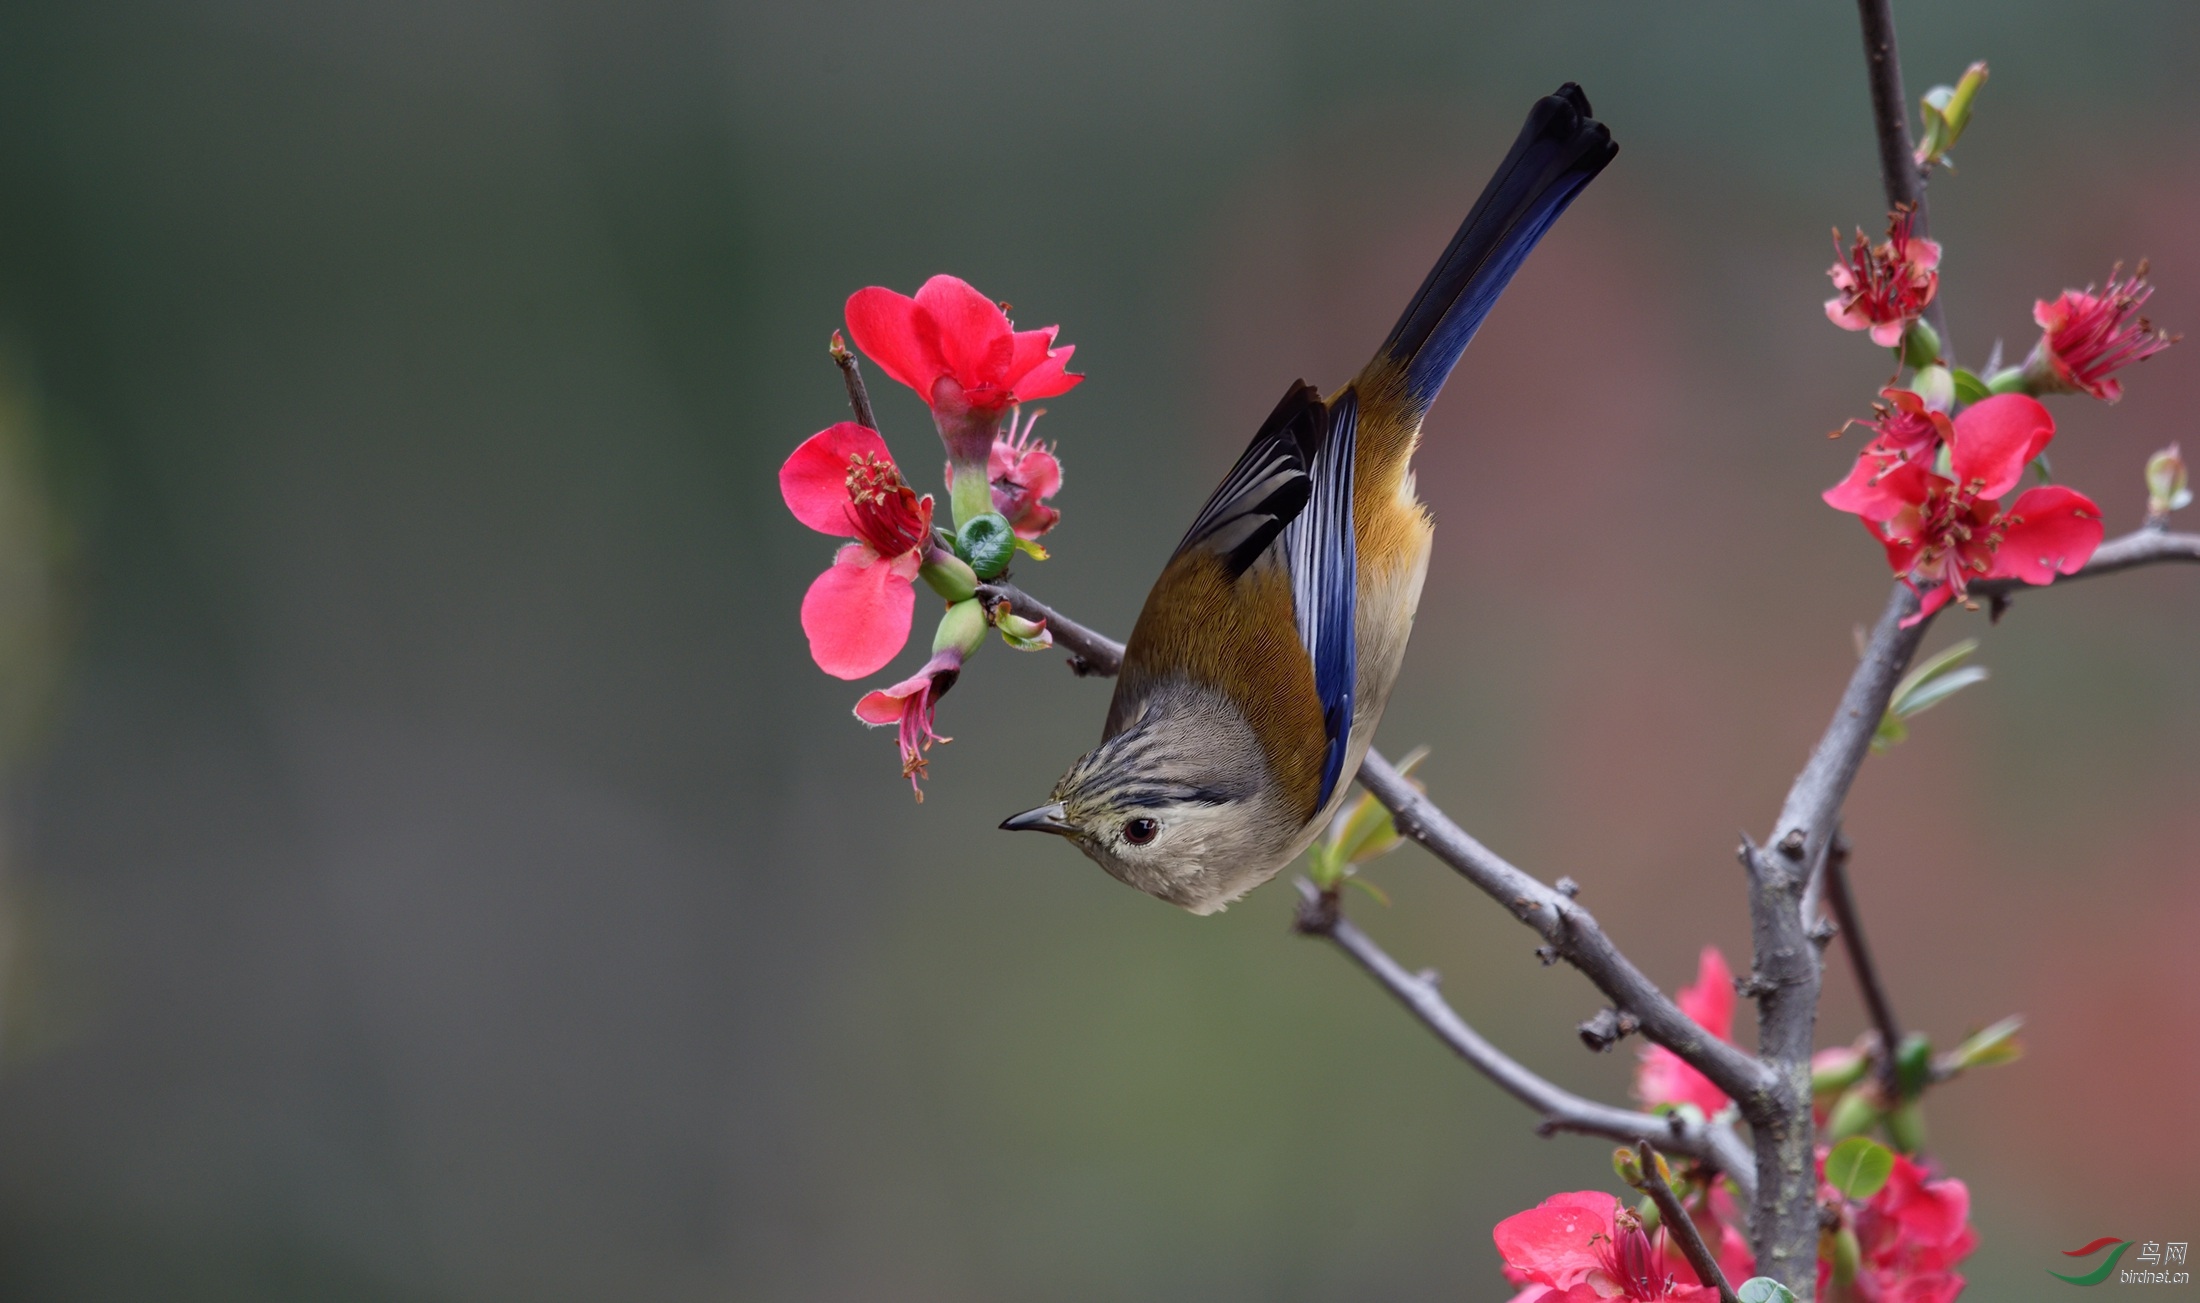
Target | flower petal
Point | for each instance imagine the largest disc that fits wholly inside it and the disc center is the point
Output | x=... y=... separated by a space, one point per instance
x=857 y=613
x=883 y=706
x=884 y=325
x=974 y=336
x=1996 y=438
x=1050 y=377
x=814 y=478
x=1876 y=494
x=1710 y=999
x=1554 y=1243
x=2049 y=531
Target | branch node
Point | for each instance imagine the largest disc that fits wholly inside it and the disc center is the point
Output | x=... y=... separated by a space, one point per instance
x=1429 y=977
x=1317 y=915
x=1792 y=844
x=1567 y=887
x=1548 y=954
x=1606 y=1028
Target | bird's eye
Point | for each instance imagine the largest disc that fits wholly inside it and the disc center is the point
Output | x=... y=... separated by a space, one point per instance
x=1139 y=831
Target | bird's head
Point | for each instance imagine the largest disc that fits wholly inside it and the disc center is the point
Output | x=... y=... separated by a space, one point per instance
x=1181 y=803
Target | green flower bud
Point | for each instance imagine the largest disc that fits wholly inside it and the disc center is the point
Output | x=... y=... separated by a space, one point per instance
x=987 y=543
x=1921 y=345
x=1856 y=1112
x=1906 y=1126
x=1833 y=1071
x=1936 y=385
x=963 y=628
x=949 y=575
x=1913 y=1065
x=1847 y=1255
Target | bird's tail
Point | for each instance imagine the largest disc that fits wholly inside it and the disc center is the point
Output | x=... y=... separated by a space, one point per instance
x=1560 y=149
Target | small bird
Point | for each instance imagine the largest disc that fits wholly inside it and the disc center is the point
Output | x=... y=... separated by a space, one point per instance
x=1258 y=670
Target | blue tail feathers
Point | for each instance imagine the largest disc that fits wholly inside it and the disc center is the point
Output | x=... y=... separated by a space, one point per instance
x=1560 y=150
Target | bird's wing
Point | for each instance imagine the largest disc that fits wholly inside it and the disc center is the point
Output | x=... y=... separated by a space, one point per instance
x=1267 y=488
x=1325 y=581
x=1294 y=483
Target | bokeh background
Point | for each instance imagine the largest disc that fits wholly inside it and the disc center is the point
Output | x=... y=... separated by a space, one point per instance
x=434 y=870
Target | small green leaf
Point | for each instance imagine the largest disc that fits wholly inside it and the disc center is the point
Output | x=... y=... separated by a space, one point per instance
x=1763 y=1289
x=1380 y=896
x=1931 y=694
x=1859 y=1166
x=1992 y=1045
x=1969 y=388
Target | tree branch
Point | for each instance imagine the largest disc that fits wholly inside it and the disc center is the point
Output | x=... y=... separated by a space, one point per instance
x=851 y=375
x=1561 y=1109
x=1680 y=1225
x=1860 y=960
x=1570 y=933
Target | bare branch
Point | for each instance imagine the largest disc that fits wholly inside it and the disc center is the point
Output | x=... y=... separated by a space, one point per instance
x=851 y=374
x=1572 y=933
x=1843 y=904
x=1561 y=1109
x=1680 y=1225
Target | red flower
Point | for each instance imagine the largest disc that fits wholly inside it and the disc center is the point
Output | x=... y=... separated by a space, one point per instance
x=2089 y=337
x=1941 y=533
x=1883 y=287
x=959 y=351
x=843 y=482
x=1025 y=473
x=910 y=705
x=1911 y=1235
x=1580 y=1248
x=1661 y=1077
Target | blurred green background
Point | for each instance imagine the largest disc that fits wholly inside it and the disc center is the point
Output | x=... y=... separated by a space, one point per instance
x=434 y=870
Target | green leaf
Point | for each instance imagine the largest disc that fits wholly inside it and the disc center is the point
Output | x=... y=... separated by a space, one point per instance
x=1969 y=388
x=1763 y=1289
x=1992 y=1045
x=1380 y=896
x=1859 y=1166
x=1931 y=694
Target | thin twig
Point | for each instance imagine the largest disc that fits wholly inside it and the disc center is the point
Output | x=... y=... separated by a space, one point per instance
x=1898 y=170
x=1680 y=1225
x=1562 y=1110
x=1843 y=904
x=851 y=374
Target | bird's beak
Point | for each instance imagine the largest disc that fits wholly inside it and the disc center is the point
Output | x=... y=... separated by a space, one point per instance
x=1046 y=818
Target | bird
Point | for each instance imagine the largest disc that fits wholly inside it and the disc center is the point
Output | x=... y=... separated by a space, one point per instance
x=1260 y=664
